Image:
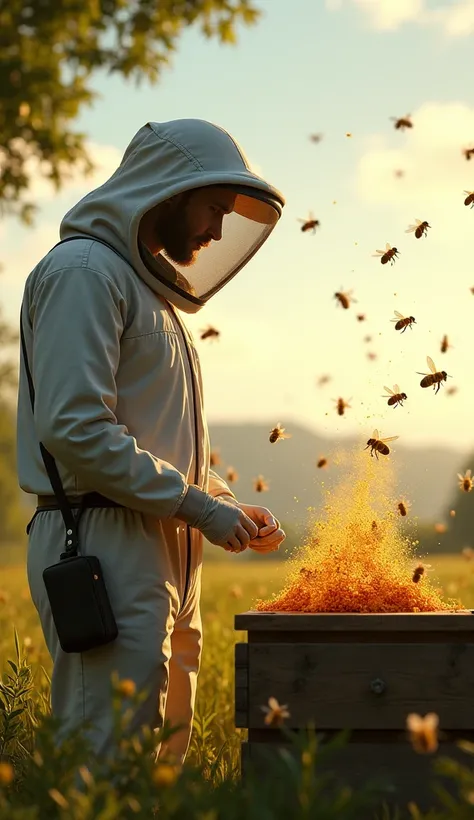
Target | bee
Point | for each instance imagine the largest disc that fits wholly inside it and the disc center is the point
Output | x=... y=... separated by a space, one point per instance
x=388 y=255
x=378 y=445
x=423 y=732
x=402 y=122
x=360 y=317
x=402 y=322
x=419 y=571
x=344 y=299
x=371 y=356
x=260 y=485
x=367 y=339
x=402 y=507
x=420 y=228
x=466 y=483
x=322 y=462
x=232 y=475
x=396 y=397
x=316 y=137
x=324 y=379
x=209 y=333
x=451 y=391
x=435 y=378
x=309 y=224
x=445 y=344
x=341 y=406
x=214 y=458
x=469 y=199
x=277 y=433
x=468 y=153
x=399 y=173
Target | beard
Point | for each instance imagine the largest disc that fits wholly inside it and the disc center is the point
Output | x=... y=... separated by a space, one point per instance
x=173 y=233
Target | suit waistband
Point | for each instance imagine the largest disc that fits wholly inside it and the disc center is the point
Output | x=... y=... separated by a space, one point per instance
x=49 y=502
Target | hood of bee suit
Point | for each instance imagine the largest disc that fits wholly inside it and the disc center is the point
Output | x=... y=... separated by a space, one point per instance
x=164 y=159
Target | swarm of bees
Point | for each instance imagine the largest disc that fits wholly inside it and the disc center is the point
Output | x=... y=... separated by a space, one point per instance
x=419 y=228
x=395 y=397
x=309 y=224
x=402 y=322
x=277 y=433
x=209 y=333
x=388 y=255
x=344 y=298
x=402 y=122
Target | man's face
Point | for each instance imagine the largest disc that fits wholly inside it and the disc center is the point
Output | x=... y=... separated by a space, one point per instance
x=189 y=221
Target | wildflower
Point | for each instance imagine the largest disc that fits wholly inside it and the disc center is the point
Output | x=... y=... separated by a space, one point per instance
x=7 y=773
x=165 y=774
x=466 y=483
x=275 y=713
x=126 y=688
x=423 y=732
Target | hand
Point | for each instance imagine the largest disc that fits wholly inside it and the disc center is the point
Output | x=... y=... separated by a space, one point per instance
x=270 y=535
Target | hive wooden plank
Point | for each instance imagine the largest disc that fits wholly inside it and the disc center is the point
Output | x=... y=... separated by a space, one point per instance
x=407 y=776
x=330 y=684
x=241 y=685
x=354 y=621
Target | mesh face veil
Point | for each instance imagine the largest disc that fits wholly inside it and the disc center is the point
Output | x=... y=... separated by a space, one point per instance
x=165 y=159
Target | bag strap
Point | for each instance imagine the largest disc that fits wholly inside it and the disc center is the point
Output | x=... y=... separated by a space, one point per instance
x=70 y=521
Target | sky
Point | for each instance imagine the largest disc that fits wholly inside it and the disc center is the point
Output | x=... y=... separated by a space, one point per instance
x=337 y=67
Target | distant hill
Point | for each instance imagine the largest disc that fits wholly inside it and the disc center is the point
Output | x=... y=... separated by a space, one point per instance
x=425 y=474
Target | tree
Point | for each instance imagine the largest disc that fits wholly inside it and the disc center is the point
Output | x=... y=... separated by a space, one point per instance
x=48 y=54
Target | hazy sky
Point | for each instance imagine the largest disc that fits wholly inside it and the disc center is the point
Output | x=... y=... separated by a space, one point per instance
x=336 y=68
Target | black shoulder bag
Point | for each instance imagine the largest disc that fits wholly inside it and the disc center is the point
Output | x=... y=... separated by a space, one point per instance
x=75 y=586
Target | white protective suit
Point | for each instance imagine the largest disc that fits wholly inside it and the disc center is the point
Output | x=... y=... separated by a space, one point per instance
x=119 y=405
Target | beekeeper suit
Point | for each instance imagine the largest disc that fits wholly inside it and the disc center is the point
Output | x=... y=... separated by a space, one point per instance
x=119 y=405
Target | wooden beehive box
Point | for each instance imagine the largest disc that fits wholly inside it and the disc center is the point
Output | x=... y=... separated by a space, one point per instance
x=364 y=673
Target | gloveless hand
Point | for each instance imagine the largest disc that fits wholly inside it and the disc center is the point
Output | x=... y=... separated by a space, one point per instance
x=270 y=535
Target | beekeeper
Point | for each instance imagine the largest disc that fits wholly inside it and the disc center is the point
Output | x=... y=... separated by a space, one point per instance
x=119 y=405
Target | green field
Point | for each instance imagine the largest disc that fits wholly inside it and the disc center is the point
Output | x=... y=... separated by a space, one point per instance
x=228 y=587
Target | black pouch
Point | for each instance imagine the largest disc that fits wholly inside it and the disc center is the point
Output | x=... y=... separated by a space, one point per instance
x=79 y=602
x=75 y=586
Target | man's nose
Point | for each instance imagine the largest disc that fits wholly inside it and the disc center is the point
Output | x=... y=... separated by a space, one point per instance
x=216 y=229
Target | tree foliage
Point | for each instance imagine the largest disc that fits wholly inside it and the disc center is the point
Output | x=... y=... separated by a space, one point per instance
x=48 y=54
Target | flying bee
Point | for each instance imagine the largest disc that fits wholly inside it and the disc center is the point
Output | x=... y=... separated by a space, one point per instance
x=435 y=378
x=324 y=379
x=466 y=483
x=360 y=317
x=440 y=528
x=322 y=462
x=260 y=485
x=371 y=356
x=469 y=199
x=210 y=333
x=214 y=458
x=402 y=122
x=419 y=571
x=402 y=507
x=316 y=137
x=388 y=255
x=232 y=475
x=419 y=228
x=396 y=397
x=277 y=433
x=341 y=406
x=423 y=732
x=468 y=153
x=344 y=298
x=378 y=445
x=399 y=173
x=402 y=322
x=451 y=391
x=445 y=344
x=309 y=224
x=367 y=339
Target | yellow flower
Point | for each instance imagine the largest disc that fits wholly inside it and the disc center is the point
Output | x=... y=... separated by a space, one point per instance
x=7 y=774
x=423 y=732
x=165 y=774
x=126 y=688
x=275 y=713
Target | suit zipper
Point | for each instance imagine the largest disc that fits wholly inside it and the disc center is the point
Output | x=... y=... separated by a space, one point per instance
x=196 y=465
